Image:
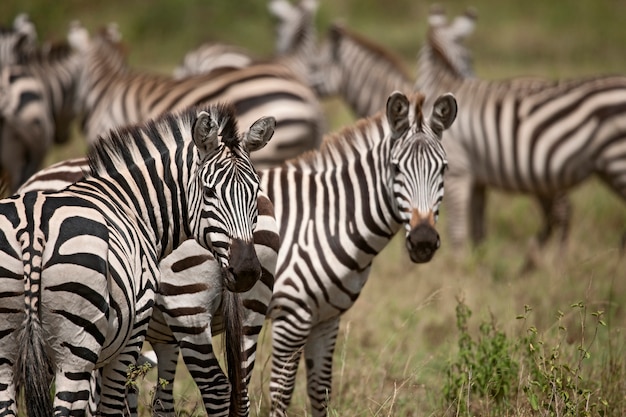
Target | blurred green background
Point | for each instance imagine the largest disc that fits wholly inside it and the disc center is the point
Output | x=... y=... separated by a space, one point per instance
x=555 y=38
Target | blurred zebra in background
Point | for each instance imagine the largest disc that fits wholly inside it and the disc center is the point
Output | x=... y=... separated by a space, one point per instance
x=190 y=298
x=337 y=208
x=296 y=44
x=360 y=71
x=524 y=135
x=210 y=57
x=37 y=107
x=17 y=42
x=149 y=188
x=112 y=94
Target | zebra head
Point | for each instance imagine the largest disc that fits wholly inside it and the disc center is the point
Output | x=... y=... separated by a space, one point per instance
x=225 y=189
x=418 y=162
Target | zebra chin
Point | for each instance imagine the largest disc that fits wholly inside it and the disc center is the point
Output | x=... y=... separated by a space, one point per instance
x=244 y=270
x=422 y=242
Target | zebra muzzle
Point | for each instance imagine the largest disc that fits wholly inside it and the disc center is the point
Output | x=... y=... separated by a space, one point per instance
x=244 y=269
x=422 y=242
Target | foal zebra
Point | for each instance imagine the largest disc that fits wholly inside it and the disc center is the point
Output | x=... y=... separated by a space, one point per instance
x=149 y=188
x=337 y=208
x=188 y=300
x=523 y=135
x=111 y=94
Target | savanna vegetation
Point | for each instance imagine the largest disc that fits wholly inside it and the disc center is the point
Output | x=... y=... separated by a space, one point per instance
x=460 y=336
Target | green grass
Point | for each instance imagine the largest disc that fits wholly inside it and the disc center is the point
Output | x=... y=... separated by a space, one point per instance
x=400 y=339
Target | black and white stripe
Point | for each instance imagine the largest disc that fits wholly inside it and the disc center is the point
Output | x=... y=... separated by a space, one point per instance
x=80 y=266
x=114 y=95
x=362 y=72
x=337 y=208
x=523 y=135
x=37 y=108
x=18 y=41
x=189 y=305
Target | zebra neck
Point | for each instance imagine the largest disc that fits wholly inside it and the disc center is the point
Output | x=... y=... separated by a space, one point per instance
x=435 y=76
x=153 y=190
x=337 y=194
x=60 y=78
x=368 y=79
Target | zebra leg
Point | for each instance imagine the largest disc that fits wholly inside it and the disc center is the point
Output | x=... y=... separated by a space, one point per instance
x=167 y=359
x=556 y=211
x=113 y=382
x=8 y=404
x=74 y=386
x=457 y=208
x=318 y=354
x=478 y=200
x=288 y=341
x=205 y=369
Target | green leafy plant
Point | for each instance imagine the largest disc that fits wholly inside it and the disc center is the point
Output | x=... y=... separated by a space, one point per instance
x=484 y=368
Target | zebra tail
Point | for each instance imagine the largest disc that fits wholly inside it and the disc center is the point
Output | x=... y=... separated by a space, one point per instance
x=33 y=368
x=232 y=308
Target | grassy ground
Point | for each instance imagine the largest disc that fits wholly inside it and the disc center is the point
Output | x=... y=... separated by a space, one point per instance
x=401 y=338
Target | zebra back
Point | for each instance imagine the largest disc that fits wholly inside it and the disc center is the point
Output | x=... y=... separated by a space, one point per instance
x=113 y=95
x=362 y=72
x=211 y=57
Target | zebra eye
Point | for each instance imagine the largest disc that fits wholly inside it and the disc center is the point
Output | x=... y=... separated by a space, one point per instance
x=209 y=193
x=444 y=167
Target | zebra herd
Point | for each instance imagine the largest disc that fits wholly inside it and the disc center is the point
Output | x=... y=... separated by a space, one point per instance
x=286 y=232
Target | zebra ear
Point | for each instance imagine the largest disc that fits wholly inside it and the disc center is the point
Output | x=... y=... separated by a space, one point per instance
x=444 y=113
x=281 y=9
x=204 y=133
x=260 y=133
x=398 y=114
x=464 y=25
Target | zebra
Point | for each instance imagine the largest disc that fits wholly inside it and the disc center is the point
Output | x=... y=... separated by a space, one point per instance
x=111 y=94
x=523 y=135
x=190 y=275
x=37 y=107
x=336 y=209
x=26 y=125
x=363 y=73
x=150 y=186
x=295 y=45
x=18 y=41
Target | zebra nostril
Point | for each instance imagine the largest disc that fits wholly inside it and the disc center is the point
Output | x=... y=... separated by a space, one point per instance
x=422 y=242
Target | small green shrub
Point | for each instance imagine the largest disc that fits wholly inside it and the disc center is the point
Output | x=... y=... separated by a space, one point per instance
x=536 y=374
x=484 y=369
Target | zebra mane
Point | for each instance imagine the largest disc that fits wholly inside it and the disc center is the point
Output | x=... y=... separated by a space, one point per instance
x=49 y=53
x=337 y=31
x=344 y=142
x=361 y=136
x=126 y=146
